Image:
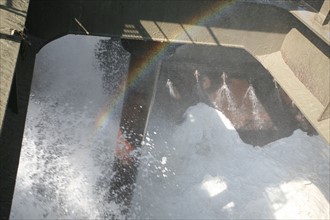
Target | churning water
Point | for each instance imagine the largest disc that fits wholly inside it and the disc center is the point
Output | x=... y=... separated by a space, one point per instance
x=71 y=129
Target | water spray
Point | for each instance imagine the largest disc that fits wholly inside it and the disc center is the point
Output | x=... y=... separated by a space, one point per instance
x=197 y=75
x=224 y=76
x=174 y=93
x=275 y=82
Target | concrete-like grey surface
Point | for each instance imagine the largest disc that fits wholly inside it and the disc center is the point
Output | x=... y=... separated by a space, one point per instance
x=309 y=12
x=311 y=107
x=12 y=17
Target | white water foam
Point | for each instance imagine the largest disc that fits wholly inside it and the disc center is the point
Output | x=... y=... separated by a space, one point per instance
x=66 y=157
x=211 y=174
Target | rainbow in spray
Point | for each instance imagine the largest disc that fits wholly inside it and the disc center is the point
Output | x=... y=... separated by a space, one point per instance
x=144 y=67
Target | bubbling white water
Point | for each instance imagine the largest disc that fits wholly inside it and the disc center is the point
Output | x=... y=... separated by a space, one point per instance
x=211 y=174
x=66 y=158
